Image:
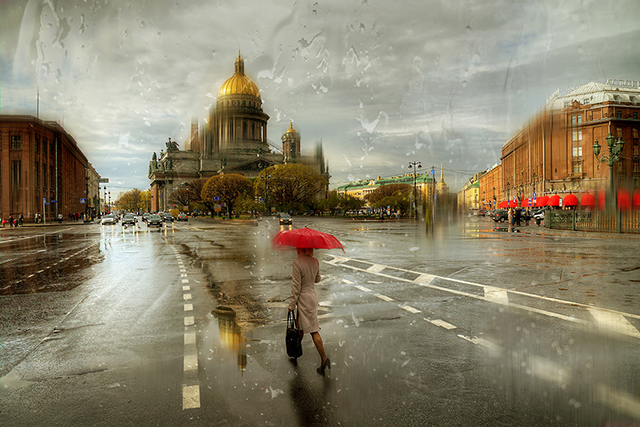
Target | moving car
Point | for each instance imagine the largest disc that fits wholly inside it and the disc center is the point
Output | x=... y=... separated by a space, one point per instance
x=285 y=219
x=129 y=219
x=183 y=217
x=108 y=219
x=145 y=216
x=167 y=217
x=154 y=221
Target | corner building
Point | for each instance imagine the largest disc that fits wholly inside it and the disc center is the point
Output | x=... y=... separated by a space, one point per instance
x=42 y=170
x=553 y=152
x=234 y=140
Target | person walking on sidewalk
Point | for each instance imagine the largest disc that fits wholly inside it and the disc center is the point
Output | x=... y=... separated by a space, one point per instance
x=306 y=273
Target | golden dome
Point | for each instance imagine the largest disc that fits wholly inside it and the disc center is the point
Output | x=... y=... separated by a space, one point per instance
x=291 y=129
x=239 y=84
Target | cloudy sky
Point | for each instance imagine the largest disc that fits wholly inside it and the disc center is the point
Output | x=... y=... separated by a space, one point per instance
x=379 y=82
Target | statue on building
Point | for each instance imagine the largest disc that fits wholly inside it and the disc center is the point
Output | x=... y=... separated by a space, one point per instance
x=172 y=146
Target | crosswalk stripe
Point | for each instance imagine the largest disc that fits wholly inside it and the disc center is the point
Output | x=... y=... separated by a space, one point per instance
x=614 y=321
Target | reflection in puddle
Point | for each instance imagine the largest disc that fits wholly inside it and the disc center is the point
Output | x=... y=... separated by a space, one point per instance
x=231 y=334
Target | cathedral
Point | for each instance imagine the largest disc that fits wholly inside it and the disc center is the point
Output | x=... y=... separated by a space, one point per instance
x=234 y=140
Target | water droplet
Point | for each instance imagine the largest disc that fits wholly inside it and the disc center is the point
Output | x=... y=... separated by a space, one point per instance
x=159 y=34
x=143 y=24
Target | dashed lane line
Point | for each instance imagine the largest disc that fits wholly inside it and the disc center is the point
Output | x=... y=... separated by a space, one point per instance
x=603 y=317
x=441 y=323
x=384 y=297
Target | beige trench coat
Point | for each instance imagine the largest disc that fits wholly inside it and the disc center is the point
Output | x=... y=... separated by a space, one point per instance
x=306 y=272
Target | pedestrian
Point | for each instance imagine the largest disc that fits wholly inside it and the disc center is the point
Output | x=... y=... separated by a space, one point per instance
x=306 y=272
x=518 y=216
x=11 y=224
x=59 y=218
x=21 y=220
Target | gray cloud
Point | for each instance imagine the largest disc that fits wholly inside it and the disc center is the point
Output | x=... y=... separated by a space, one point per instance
x=379 y=83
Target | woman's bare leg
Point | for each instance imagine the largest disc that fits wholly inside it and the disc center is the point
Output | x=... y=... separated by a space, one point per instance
x=317 y=340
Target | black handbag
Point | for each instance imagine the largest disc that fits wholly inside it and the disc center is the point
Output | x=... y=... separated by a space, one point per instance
x=294 y=342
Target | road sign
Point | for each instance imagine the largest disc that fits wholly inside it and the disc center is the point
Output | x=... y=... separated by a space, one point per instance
x=83 y=201
x=216 y=198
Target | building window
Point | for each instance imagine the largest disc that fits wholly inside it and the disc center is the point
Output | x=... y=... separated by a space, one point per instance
x=586 y=101
x=635 y=133
x=16 y=183
x=619 y=132
x=577 y=135
x=618 y=114
x=579 y=119
x=635 y=149
x=36 y=173
x=16 y=142
x=36 y=146
x=636 y=166
x=635 y=115
x=51 y=149
x=44 y=147
x=577 y=168
x=577 y=151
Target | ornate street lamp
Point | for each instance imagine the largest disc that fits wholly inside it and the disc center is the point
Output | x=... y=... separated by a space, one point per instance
x=414 y=165
x=615 y=155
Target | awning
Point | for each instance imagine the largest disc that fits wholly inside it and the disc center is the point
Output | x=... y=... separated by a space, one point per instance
x=601 y=200
x=504 y=204
x=542 y=201
x=624 y=200
x=525 y=203
x=554 y=200
x=513 y=204
x=570 y=200
x=635 y=200
x=588 y=200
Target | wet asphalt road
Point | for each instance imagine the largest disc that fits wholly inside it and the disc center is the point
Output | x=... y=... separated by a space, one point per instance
x=467 y=325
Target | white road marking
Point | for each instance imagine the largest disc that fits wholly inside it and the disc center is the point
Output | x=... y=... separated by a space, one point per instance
x=376 y=268
x=185 y=280
x=614 y=321
x=31 y=275
x=190 y=320
x=190 y=396
x=481 y=341
x=410 y=309
x=384 y=297
x=545 y=369
x=189 y=338
x=441 y=323
x=183 y=270
x=348 y=282
x=425 y=279
x=191 y=362
x=186 y=288
x=188 y=307
x=618 y=400
x=497 y=295
x=186 y=297
x=362 y=288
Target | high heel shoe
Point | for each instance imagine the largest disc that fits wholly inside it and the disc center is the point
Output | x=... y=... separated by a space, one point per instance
x=325 y=365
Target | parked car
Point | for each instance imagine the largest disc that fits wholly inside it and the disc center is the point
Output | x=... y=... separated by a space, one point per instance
x=108 y=219
x=538 y=216
x=481 y=212
x=154 y=221
x=500 y=215
x=129 y=219
x=285 y=219
x=168 y=217
x=182 y=217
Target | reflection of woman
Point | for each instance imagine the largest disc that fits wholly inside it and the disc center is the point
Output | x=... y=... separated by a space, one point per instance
x=306 y=272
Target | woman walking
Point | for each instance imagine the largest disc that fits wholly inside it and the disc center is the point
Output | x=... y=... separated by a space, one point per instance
x=306 y=273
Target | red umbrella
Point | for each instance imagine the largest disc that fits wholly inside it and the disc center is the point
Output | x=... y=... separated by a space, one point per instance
x=554 y=200
x=504 y=204
x=635 y=200
x=587 y=200
x=542 y=201
x=307 y=238
x=624 y=200
x=570 y=200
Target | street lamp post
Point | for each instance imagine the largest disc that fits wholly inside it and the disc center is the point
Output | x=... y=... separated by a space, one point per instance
x=414 y=165
x=615 y=155
x=266 y=191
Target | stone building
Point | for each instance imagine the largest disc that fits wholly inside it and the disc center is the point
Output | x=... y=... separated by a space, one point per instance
x=553 y=152
x=42 y=170
x=234 y=140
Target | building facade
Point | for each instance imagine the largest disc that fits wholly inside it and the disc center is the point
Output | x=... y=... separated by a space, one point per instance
x=42 y=170
x=424 y=183
x=234 y=140
x=490 y=187
x=553 y=154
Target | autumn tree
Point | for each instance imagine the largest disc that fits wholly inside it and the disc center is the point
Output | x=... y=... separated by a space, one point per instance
x=130 y=201
x=183 y=197
x=386 y=191
x=228 y=187
x=290 y=185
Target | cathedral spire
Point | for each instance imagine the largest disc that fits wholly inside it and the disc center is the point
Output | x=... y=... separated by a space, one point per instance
x=239 y=64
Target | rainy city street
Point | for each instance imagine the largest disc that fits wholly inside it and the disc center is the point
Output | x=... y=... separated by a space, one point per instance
x=465 y=324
